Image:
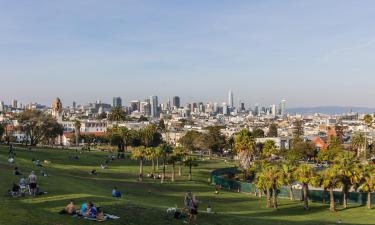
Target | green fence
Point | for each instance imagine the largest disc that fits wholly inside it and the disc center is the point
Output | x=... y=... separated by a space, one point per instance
x=217 y=178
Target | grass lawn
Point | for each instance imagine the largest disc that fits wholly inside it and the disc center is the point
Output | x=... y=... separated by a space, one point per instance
x=143 y=203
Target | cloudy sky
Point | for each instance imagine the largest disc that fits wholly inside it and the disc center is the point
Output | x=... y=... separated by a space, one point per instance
x=309 y=52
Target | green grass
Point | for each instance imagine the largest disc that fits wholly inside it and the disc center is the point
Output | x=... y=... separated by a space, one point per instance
x=69 y=179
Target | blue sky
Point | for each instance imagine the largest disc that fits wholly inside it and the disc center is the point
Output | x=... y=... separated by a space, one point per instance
x=308 y=52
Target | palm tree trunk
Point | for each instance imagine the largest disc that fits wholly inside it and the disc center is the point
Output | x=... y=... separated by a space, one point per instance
x=291 y=194
x=268 y=198
x=305 y=195
x=157 y=162
x=190 y=174
x=173 y=172
x=369 y=200
x=331 y=200
x=153 y=165
x=179 y=169
x=274 y=198
x=141 y=170
x=345 y=196
x=163 y=175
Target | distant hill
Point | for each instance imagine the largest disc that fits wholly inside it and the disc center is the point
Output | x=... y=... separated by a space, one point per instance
x=330 y=110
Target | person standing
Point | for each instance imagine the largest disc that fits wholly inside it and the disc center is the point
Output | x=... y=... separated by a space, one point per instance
x=191 y=204
x=32 y=183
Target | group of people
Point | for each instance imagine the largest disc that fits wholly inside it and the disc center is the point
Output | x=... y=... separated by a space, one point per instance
x=154 y=176
x=24 y=185
x=88 y=210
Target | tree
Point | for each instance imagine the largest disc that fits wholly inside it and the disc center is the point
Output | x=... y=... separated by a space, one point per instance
x=272 y=130
x=38 y=125
x=298 y=130
x=2 y=130
x=77 y=130
x=140 y=153
x=368 y=119
x=349 y=173
x=304 y=174
x=165 y=149
x=330 y=180
x=359 y=142
x=190 y=140
x=102 y=116
x=180 y=154
x=152 y=153
x=269 y=149
x=245 y=148
x=190 y=162
x=150 y=136
x=368 y=182
x=119 y=136
x=258 y=133
x=288 y=177
x=117 y=114
x=213 y=140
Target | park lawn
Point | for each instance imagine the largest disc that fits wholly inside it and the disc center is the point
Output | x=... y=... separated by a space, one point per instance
x=143 y=203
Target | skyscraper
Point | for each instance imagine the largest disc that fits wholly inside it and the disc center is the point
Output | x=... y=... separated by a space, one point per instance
x=176 y=102
x=154 y=106
x=117 y=102
x=14 y=104
x=283 y=108
x=230 y=99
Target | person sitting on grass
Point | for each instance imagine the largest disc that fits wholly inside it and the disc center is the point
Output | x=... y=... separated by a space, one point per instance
x=93 y=172
x=16 y=172
x=116 y=193
x=23 y=185
x=43 y=173
x=100 y=214
x=84 y=208
x=92 y=212
x=11 y=160
x=37 y=163
x=15 y=191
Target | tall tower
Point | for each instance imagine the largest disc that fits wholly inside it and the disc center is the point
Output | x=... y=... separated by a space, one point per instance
x=117 y=102
x=230 y=99
x=283 y=108
x=154 y=106
x=176 y=101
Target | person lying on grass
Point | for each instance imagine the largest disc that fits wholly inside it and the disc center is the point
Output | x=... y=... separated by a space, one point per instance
x=70 y=209
x=16 y=172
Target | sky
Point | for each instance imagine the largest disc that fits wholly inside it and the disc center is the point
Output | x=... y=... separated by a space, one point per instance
x=311 y=53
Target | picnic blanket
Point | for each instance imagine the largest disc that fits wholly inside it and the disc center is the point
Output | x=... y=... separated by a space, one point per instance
x=106 y=218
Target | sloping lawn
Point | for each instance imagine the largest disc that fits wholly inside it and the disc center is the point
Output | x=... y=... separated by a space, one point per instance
x=143 y=203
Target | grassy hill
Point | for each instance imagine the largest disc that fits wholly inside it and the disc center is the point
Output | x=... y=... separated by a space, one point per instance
x=142 y=203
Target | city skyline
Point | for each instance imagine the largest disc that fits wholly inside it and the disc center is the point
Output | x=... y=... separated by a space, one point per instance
x=310 y=53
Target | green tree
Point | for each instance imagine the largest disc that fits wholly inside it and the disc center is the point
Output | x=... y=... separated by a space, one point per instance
x=368 y=119
x=330 y=180
x=368 y=182
x=272 y=130
x=190 y=162
x=269 y=149
x=245 y=148
x=305 y=174
x=288 y=177
x=37 y=125
x=117 y=114
x=140 y=153
x=298 y=130
x=166 y=150
x=258 y=133
x=359 y=143
x=2 y=130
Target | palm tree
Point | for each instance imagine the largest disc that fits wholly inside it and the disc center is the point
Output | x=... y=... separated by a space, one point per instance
x=269 y=149
x=151 y=154
x=77 y=130
x=190 y=162
x=304 y=174
x=288 y=177
x=349 y=173
x=140 y=153
x=166 y=149
x=330 y=180
x=359 y=143
x=245 y=149
x=368 y=182
x=180 y=154
x=263 y=184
